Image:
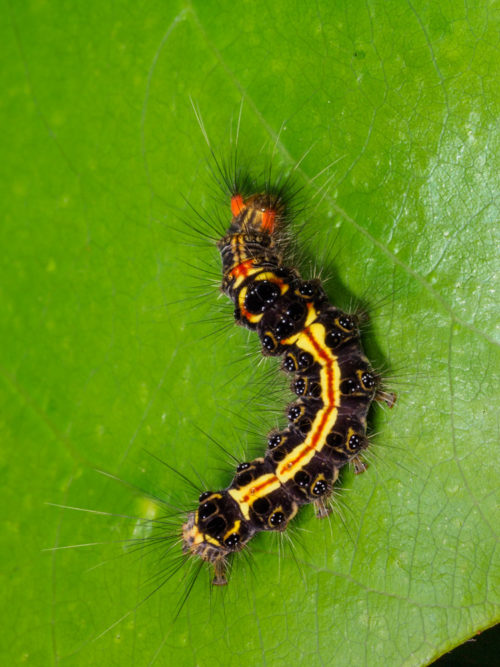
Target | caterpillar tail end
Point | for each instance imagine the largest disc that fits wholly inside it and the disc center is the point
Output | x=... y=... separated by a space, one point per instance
x=195 y=543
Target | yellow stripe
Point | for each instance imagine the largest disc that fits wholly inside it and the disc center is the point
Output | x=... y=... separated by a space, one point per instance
x=234 y=529
x=325 y=418
x=248 y=494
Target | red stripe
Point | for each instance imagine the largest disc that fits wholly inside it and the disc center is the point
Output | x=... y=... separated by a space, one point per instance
x=255 y=489
x=314 y=441
x=324 y=355
x=242 y=270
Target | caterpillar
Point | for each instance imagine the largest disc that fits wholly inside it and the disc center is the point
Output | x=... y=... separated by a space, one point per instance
x=332 y=378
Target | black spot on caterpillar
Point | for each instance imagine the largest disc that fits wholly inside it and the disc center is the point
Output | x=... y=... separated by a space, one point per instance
x=330 y=375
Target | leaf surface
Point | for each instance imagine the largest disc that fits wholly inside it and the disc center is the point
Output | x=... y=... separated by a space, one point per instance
x=389 y=111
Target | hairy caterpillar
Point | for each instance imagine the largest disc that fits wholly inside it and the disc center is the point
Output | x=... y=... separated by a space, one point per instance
x=332 y=378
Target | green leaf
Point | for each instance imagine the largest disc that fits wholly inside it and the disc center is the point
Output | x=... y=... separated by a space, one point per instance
x=105 y=348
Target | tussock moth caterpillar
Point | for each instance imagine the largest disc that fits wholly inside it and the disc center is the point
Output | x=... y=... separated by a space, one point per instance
x=332 y=379
x=330 y=375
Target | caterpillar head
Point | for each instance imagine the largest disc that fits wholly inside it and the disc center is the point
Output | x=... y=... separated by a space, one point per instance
x=214 y=531
x=260 y=213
